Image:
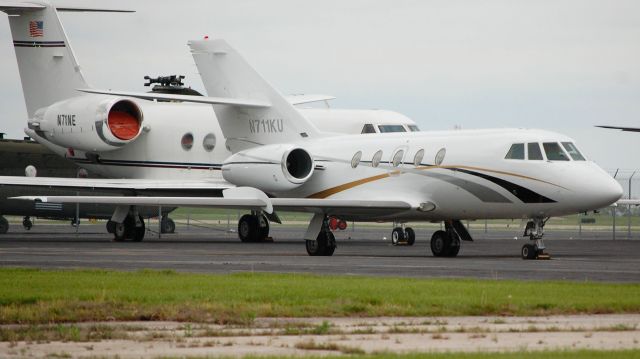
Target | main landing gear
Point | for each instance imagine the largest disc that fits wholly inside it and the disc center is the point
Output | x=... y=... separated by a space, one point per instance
x=253 y=227
x=167 y=225
x=447 y=243
x=132 y=228
x=535 y=230
x=403 y=235
x=26 y=223
x=324 y=244
x=4 y=225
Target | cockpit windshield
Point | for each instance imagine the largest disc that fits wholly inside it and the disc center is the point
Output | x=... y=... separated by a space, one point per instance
x=573 y=151
x=554 y=152
x=391 y=128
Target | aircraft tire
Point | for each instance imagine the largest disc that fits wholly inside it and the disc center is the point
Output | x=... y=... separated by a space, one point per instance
x=314 y=247
x=324 y=245
x=397 y=236
x=330 y=246
x=529 y=251
x=168 y=225
x=4 y=225
x=119 y=232
x=27 y=224
x=248 y=228
x=439 y=244
x=454 y=247
x=263 y=229
x=410 y=236
x=137 y=233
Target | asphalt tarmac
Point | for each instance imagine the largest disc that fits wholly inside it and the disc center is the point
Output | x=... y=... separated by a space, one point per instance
x=362 y=251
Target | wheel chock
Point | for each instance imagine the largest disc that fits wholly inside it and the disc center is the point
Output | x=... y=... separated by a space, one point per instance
x=543 y=256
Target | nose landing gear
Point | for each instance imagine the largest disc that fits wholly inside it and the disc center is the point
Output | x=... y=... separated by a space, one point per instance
x=403 y=235
x=535 y=230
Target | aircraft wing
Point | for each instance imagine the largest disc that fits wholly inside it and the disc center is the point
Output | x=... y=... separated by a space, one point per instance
x=242 y=197
x=337 y=205
x=630 y=129
x=119 y=186
x=184 y=98
x=625 y=202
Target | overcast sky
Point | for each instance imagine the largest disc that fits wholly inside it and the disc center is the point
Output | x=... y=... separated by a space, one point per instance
x=563 y=65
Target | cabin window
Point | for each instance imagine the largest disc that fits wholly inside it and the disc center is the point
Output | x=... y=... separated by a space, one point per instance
x=516 y=152
x=187 y=141
x=413 y=128
x=397 y=158
x=440 y=156
x=417 y=159
x=573 y=151
x=368 y=128
x=377 y=157
x=554 y=152
x=391 y=128
x=209 y=142
x=533 y=150
x=356 y=159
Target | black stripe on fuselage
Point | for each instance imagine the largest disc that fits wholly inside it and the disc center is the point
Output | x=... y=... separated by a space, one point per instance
x=39 y=44
x=151 y=164
x=524 y=194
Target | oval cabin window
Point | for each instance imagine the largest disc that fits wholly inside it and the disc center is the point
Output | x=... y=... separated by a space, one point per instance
x=355 y=161
x=377 y=157
x=187 y=141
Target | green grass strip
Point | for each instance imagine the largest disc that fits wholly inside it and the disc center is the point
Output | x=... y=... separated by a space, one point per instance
x=56 y=296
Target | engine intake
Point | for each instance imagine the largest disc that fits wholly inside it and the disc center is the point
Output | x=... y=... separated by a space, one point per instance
x=90 y=123
x=124 y=120
x=272 y=168
x=297 y=165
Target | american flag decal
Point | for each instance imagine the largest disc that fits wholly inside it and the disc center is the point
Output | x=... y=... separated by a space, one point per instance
x=36 y=28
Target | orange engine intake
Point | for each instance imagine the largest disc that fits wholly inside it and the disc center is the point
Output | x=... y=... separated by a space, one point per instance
x=123 y=125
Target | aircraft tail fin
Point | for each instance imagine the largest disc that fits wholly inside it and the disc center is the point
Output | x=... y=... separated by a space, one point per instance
x=226 y=74
x=48 y=67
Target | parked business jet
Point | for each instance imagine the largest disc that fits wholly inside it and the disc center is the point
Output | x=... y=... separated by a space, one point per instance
x=159 y=144
x=282 y=162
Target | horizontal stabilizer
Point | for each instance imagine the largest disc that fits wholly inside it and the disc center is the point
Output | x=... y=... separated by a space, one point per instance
x=17 y=5
x=303 y=99
x=90 y=9
x=23 y=6
x=183 y=98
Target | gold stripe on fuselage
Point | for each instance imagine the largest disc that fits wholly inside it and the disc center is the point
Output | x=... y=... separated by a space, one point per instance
x=343 y=187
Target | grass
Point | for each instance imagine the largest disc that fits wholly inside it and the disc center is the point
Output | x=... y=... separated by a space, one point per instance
x=32 y=296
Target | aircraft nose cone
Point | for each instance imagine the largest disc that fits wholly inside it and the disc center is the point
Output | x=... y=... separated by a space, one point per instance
x=609 y=191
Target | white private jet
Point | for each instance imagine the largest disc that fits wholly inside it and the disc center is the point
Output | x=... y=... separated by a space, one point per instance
x=150 y=147
x=282 y=162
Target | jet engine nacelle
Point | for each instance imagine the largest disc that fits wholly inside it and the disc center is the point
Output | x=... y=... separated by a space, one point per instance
x=271 y=168
x=90 y=123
